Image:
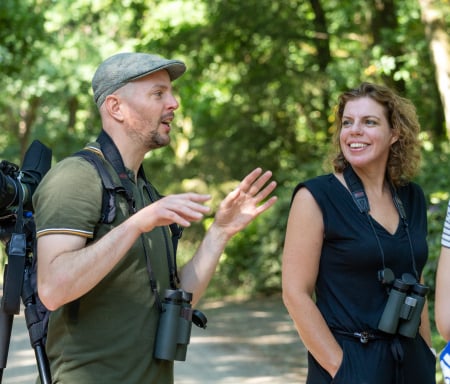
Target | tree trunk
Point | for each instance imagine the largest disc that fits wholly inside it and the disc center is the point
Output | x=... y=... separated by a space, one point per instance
x=384 y=22
x=28 y=118
x=439 y=43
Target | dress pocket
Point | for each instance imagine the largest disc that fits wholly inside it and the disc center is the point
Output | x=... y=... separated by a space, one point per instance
x=340 y=377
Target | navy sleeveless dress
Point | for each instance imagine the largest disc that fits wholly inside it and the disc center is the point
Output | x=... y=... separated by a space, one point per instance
x=350 y=296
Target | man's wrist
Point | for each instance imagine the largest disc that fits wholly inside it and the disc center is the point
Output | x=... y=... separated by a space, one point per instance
x=219 y=233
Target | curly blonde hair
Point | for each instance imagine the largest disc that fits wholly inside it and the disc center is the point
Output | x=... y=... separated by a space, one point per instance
x=404 y=155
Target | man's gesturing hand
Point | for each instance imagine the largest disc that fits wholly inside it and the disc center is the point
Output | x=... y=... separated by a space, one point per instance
x=242 y=205
x=182 y=209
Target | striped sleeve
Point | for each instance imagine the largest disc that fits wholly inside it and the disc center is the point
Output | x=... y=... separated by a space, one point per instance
x=65 y=231
x=445 y=242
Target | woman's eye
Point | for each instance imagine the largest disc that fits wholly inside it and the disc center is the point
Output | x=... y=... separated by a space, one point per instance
x=346 y=123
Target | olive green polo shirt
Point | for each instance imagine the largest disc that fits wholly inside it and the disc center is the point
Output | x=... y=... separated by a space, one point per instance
x=108 y=336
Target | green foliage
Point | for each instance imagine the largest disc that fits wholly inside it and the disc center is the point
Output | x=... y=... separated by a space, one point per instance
x=261 y=85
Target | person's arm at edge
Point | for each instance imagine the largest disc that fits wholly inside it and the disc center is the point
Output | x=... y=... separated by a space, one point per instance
x=442 y=297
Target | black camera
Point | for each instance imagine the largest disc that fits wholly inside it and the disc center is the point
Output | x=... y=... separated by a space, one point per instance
x=18 y=232
x=403 y=308
x=17 y=186
x=175 y=324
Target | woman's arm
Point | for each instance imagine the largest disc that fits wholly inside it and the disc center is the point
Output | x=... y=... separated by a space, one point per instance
x=301 y=256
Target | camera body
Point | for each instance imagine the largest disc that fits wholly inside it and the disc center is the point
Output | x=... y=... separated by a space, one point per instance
x=17 y=186
x=11 y=188
x=175 y=324
x=403 y=309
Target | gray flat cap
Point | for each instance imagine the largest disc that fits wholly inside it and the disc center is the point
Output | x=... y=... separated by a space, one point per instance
x=122 y=68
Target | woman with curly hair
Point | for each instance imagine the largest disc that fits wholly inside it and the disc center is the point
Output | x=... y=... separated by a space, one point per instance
x=355 y=249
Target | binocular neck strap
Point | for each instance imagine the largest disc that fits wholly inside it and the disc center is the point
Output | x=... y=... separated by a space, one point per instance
x=359 y=196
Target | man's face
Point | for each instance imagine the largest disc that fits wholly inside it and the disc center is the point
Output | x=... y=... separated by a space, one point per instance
x=148 y=108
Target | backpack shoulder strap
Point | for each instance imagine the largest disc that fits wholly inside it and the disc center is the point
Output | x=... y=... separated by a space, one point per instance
x=110 y=188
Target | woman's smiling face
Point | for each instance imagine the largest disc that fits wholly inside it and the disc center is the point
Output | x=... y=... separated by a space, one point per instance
x=366 y=135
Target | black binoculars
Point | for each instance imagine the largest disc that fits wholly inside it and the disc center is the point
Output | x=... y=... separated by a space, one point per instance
x=175 y=324
x=403 y=308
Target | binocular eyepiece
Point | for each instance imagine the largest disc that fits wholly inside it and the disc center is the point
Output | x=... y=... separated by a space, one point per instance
x=403 y=308
x=175 y=324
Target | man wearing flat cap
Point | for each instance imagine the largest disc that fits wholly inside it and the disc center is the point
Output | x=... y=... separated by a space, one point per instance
x=105 y=282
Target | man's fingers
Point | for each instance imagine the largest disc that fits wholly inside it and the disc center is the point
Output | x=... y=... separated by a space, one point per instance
x=255 y=181
x=194 y=202
x=197 y=197
x=266 y=191
x=260 y=182
x=248 y=180
x=187 y=207
x=267 y=204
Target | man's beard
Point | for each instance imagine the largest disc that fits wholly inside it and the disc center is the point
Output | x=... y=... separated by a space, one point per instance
x=150 y=140
x=156 y=140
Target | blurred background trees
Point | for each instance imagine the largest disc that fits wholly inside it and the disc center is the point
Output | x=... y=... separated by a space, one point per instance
x=261 y=85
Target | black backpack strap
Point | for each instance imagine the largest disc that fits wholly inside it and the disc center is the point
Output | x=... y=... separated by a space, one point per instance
x=108 y=213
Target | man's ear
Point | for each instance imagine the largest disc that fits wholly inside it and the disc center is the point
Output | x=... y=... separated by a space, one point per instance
x=113 y=106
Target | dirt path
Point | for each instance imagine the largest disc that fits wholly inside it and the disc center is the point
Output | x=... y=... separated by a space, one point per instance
x=245 y=342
